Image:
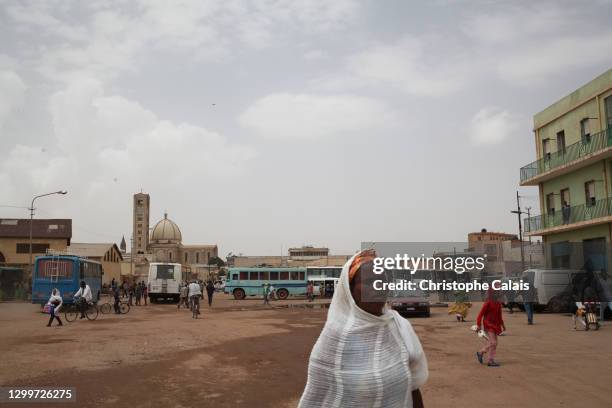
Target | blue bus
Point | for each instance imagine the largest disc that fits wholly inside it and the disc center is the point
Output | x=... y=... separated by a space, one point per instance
x=64 y=272
x=243 y=282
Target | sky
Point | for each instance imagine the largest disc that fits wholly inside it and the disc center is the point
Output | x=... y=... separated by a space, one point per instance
x=263 y=125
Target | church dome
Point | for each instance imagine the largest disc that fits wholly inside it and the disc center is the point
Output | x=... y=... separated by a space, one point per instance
x=166 y=231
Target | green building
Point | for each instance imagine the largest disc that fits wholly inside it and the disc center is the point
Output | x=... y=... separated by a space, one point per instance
x=573 y=172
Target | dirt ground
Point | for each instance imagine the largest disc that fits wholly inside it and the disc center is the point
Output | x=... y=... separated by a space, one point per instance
x=242 y=354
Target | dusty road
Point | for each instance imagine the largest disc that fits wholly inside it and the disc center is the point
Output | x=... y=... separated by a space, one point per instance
x=240 y=354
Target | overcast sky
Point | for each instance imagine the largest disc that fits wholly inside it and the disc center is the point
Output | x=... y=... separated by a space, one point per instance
x=264 y=125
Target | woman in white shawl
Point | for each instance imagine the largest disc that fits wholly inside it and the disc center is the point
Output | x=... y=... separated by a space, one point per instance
x=55 y=305
x=366 y=355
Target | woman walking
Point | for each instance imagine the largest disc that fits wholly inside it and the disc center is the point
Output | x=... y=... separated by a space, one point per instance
x=491 y=320
x=55 y=304
x=367 y=355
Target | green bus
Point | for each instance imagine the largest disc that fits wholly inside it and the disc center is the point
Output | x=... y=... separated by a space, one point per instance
x=243 y=282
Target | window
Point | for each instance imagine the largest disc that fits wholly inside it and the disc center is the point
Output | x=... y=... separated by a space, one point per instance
x=234 y=276
x=294 y=275
x=47 y=269
x=197 y=257
x=36 y=248
x=273 y=275
x=589 y=193
x=244 y=275
x=170 y=255
x=550 y=204
x=608 y=104
x=264 y=275
x=254 y=276
x=302 y=275
x=139 y=202
x=561 y=142
x=186 y=257
x=284 y=276
x=546 y=149
x=165 y=272
x=585 y=131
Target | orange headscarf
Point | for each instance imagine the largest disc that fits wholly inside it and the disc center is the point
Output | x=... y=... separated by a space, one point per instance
x=364 y=256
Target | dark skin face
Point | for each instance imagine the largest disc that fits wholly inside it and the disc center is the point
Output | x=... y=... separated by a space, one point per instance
x=372 y=301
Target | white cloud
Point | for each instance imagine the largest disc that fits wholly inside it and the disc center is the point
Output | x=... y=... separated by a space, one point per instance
x=110 y=38
x=530 y=44
x=105 y=147
x=424 y=66
x=492 y=125
x=310 y=116
x=12 y=92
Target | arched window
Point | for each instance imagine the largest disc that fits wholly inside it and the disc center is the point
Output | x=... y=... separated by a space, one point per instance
x=170 y=255
x=197 y=257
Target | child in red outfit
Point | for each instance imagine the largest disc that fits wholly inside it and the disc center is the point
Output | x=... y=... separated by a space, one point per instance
x=490 y=319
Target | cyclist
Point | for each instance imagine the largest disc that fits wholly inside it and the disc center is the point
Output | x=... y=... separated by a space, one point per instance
x=194 y=296
x=84 y=297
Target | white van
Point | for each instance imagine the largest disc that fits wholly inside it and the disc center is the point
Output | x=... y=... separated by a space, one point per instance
x=548 y=284
x=164 y=281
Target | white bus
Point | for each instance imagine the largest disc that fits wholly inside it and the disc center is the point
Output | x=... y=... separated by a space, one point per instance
x=164 y=281
x=548 y=284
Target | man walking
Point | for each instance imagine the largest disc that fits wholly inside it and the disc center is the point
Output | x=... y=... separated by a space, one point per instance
x=210 y=291
x=117 y=296
x=266 y=294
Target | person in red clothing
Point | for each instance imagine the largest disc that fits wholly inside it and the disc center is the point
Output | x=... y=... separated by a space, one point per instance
x=490 y=319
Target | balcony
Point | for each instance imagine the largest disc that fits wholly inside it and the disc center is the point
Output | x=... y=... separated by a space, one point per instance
x=588 y=150
x=567 y=219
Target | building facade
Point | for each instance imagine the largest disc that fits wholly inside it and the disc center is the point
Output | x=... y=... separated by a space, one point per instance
x=573 y=174
x=47 y=234
x=297 y=257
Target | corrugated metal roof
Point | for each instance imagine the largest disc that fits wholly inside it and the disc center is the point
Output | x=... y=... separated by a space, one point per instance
x=93 y=250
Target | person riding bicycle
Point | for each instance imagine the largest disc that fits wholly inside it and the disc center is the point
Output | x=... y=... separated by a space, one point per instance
x=194 y=295
x=84 y=297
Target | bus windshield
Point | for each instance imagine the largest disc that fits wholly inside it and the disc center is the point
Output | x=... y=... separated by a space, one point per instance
x=165 y=272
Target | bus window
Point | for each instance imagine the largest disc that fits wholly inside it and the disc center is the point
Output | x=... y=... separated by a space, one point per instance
x=234 y=276
x=244 y=275
x=284 y=276
x=294 y=275
x=48 y=269
x=165 y=272
x=273 y=275
x=264 y=276
x=254 y=276
x=302 y=275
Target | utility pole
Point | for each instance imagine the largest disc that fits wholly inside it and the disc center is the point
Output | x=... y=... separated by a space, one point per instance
x=518 y=213
x=62 y=192
x=529 y=216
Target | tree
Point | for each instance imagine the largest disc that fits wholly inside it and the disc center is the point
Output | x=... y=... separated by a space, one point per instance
x=215 y=260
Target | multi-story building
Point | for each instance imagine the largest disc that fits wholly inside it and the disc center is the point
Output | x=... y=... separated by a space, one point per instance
x=573 y=173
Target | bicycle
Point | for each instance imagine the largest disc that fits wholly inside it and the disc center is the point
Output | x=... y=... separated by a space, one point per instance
x=108 y=307
x=195 y=306
x=73 y=311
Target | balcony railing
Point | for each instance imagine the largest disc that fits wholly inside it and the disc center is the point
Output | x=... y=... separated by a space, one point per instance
x=588 y=145
x=570 y=215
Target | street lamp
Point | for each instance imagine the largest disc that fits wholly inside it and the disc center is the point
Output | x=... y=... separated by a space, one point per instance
x=62 y=192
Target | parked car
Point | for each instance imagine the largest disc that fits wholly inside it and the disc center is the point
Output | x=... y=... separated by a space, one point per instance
x=410 y=303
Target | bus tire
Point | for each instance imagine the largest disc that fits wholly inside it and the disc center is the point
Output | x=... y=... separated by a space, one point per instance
x=239 y=294
x=555 y=305
x=282 y=294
